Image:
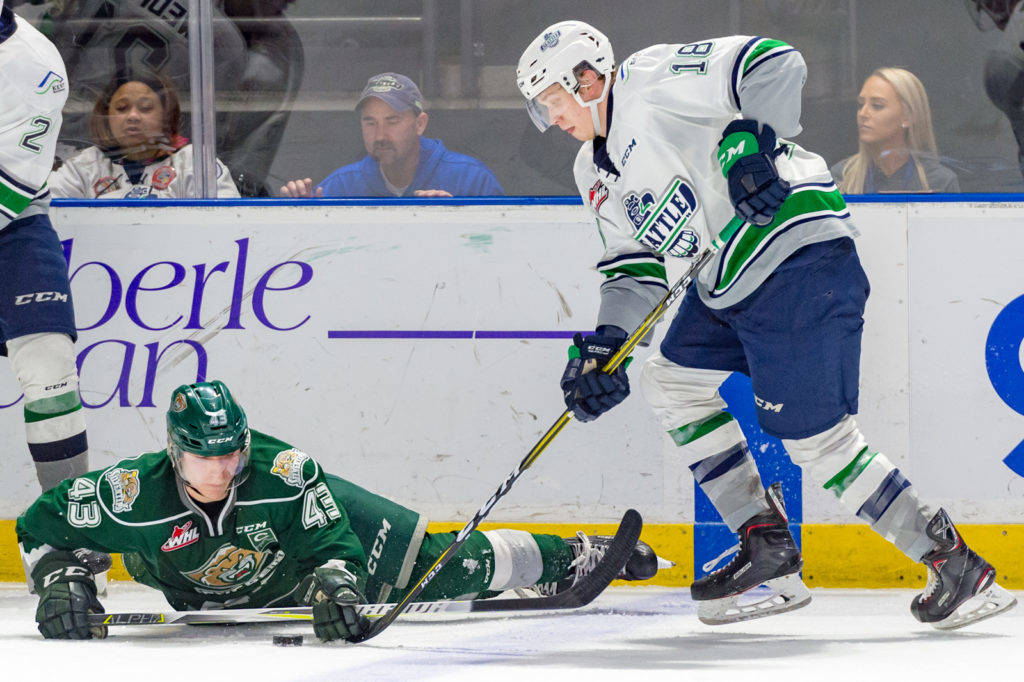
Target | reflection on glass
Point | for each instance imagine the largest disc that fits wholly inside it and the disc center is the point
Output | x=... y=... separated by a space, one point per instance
x=257 y=68
x=289 y=73
x=896 y=151
x=399 y=161
x=1004 y=66
x=139 y=152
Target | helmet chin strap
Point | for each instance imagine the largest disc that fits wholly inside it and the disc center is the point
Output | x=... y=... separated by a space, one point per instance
x=595 y=113
x=595 y=116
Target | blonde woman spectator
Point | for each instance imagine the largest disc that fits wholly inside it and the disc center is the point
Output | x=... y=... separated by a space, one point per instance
x=897 y=150
x=139 y=153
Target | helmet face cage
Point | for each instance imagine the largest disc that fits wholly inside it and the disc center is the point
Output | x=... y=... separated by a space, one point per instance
x=205 y=420
x=561 y=52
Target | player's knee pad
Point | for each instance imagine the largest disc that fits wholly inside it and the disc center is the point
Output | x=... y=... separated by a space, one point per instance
x=517 y=559
x=45 y=367
x=680 y=395
x=1004 y=82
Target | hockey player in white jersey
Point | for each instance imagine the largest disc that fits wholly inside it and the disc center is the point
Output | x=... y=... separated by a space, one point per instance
x=677 y=140
x=37 y=321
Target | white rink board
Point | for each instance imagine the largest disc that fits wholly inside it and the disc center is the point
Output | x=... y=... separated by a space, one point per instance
x=438 y=423
x=967 y=267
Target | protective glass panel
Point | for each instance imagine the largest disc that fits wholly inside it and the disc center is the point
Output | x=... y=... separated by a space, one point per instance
x=289 y=75
x=126 y=123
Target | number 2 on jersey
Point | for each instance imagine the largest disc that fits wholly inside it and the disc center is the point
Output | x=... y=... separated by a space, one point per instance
x=41 y=126
x=696 y=58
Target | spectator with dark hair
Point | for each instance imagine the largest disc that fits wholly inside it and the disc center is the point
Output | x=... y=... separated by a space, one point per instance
x=400 y=162
x=897 y=151
x=139 y=152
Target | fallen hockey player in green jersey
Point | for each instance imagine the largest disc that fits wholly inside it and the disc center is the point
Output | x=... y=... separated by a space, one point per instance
x=228 y=517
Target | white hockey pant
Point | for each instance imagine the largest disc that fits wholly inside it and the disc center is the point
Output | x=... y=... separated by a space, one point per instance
x=54 y=420
x=687 y=402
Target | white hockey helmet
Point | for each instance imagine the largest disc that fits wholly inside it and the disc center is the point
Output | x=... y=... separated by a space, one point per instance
x=554 y=57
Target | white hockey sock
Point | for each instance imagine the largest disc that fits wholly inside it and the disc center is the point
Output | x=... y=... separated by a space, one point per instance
x=517 y=559
x=54 y=419
x=867 y=484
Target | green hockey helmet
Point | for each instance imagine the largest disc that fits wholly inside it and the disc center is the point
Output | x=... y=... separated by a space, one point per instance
x=205 y=420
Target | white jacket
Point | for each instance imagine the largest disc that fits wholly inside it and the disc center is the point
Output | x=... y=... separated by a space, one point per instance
x=91 y=174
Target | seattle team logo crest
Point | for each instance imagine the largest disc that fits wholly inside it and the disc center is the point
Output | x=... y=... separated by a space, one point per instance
x=181 y=537
x=550 y=40
x=660 y=221
x=124 y=487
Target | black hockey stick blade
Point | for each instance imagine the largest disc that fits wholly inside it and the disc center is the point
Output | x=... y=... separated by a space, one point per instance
x=589 y=586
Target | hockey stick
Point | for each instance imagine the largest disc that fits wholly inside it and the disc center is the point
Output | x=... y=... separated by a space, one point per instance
x=584 y=591
x=613 y=363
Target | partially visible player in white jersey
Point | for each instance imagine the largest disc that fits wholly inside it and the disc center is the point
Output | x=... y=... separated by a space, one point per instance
x=677 y=140
x=37 y=322
x=1004 y=65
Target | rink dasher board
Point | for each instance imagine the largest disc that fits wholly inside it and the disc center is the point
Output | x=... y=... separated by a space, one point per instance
x=493 y=292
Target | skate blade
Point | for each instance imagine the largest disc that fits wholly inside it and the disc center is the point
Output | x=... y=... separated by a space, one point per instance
x=987 y=603
x=790 y=594
x=664 y=563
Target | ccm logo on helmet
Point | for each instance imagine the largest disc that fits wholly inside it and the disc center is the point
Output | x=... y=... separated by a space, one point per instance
x=214 y=441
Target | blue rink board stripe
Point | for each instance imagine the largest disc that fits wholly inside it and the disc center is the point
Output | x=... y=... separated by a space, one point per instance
x=448 y=334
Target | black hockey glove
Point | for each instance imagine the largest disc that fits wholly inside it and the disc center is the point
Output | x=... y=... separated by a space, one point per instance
x=67 y=595
x=588 y=391
x=333 y=592
x=746 y=153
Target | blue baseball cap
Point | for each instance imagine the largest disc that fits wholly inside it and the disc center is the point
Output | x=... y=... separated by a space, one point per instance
x=395 y=90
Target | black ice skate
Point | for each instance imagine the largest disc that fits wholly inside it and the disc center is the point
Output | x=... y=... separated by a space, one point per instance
x=961 y=586
x=767 y=555
x=588 y=550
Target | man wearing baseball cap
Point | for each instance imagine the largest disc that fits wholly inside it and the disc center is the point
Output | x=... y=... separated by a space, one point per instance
x=399 y=162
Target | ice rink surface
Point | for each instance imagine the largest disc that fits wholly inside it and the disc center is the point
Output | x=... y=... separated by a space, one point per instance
x=628 y=633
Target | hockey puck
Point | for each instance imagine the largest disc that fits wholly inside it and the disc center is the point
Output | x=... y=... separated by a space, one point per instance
x=288 y=640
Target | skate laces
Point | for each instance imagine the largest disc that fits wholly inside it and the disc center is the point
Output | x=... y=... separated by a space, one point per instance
x=718 y=559
x=588 y=557
x=932 y=584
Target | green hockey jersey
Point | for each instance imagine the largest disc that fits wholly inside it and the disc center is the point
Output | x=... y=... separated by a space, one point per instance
x=273 y=530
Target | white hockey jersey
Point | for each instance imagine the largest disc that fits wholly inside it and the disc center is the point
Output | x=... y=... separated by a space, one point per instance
x=33 y=89
x=91 y=174
x=657 y=188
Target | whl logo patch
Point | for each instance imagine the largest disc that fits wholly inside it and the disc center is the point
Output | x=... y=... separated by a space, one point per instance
x=181 y=537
